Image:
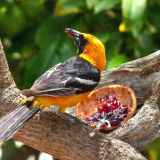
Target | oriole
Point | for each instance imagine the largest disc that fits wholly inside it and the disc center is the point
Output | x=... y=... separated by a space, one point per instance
x=65 y=84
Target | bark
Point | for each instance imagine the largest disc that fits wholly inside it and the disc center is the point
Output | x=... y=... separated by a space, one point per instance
x=65 y=137
x=143 y=76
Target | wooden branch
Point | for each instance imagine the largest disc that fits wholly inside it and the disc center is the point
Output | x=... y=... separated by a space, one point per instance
x=143 y=76
x=66 y=137
x=10 y=95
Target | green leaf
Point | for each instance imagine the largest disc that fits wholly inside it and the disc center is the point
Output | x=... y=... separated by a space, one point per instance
x=105 y=5
x=136 y=27
x=8 y=149
x=133 y=14
x=91 y=3
x=158 y=2
x=67 y=7
x=33 y=9
x=12 y=20
x=133 y=9
x=104 y=37
x=50 y=37
x=153 y=150
x=117 y=60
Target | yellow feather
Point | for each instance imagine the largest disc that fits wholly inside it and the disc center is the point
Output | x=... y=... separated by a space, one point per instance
x=94 y=52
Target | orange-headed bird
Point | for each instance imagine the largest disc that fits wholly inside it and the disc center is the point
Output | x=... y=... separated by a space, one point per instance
x=65 y=84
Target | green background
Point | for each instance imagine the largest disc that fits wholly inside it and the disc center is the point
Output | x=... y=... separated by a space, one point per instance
x=32 y=32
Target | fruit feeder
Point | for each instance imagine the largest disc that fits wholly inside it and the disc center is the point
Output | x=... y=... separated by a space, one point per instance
x=107 y=108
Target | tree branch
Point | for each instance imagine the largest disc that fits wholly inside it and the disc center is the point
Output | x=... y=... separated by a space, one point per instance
x=66 y=137
x=10 y=95
x=143 y=76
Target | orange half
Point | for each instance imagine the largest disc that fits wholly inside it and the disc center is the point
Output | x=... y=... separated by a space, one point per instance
x=124 y=94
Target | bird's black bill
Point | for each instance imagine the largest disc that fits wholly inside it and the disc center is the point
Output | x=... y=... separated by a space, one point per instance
x=77 y=36
x=72 y=33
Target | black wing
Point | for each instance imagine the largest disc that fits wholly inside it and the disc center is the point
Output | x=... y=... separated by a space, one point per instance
x=74 y=76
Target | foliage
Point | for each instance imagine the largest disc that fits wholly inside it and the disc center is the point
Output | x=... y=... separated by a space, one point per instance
x=33 y=32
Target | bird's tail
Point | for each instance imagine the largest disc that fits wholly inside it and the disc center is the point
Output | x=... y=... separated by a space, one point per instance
x=12 y=121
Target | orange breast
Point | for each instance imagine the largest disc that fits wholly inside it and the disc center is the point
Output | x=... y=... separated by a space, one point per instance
x=62 y=102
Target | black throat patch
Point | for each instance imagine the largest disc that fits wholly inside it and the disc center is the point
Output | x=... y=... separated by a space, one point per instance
x=82 y=43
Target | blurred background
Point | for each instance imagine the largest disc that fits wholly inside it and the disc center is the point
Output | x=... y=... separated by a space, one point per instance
x=32 y=32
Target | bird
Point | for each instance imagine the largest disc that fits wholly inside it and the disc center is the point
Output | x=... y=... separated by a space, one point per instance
x=64 y=85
